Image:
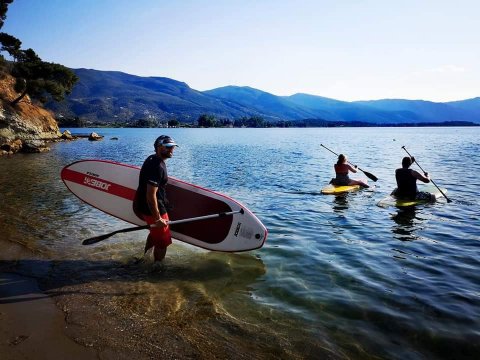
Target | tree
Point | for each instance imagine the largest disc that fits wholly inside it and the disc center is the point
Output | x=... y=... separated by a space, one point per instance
x=10 y=44
x=207 y=121
x=3 y=10
x=255 y=122
x=226 y=122
x=145 y=123
x=39 y=79
x=173 y=123
x=240 y=122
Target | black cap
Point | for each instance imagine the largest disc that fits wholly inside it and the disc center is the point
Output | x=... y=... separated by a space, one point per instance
x=164 y=140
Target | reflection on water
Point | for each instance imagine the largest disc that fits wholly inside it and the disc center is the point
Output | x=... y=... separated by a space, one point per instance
x=340 y=203
x=406 y=224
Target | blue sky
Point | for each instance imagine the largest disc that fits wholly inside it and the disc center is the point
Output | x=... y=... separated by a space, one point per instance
x=344 y=49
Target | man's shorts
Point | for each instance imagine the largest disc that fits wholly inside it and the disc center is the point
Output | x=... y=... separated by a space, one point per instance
x=423 y=195
x=160 y=236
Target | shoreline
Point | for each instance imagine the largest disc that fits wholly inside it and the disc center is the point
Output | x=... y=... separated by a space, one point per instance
x=91 y=308
x=31 y=324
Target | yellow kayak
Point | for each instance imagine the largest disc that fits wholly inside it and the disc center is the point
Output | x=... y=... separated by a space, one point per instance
x=339 y=189
x=392 y=200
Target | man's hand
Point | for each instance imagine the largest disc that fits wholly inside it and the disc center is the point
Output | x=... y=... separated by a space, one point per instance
x=161 y=223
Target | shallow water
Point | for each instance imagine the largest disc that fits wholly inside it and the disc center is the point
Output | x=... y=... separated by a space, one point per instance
x=338 y=276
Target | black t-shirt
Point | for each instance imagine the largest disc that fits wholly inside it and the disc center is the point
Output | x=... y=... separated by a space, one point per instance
x=406 y=182
x=153 y=172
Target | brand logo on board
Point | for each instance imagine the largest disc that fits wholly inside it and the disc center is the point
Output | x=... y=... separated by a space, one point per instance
x=237 y=229
x=96 y=183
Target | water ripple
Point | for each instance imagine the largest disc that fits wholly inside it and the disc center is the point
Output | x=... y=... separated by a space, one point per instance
x=371 y=282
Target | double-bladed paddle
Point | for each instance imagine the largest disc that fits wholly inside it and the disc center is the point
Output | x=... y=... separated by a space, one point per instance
x=433 y=182
x=367 y=174
x=96 y=239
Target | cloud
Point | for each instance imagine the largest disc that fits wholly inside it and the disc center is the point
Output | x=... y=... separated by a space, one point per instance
x=447 y=69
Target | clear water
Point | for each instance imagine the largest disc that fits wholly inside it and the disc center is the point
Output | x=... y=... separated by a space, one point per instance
x=337 y=275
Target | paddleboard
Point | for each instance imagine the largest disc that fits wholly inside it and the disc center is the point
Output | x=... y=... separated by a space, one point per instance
x=392 y=200
x=111 y=187
x=339 y=189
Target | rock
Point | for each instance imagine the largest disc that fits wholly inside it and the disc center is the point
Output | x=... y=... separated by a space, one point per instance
x=67 y=135
x=34 y=146
x=24 y=121
x=114 y=138
x=11 y=146
x=95 y=137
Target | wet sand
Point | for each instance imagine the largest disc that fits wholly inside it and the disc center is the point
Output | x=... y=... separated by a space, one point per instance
x=111 y=309
x=37 y=325
x=56 y=309
x=31 y=324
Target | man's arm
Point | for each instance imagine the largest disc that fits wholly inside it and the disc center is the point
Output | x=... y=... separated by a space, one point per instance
x=153 y=204
x=352 y=169
x=425 y=179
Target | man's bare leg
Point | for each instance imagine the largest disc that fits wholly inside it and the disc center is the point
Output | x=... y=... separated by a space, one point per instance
x=159 y=253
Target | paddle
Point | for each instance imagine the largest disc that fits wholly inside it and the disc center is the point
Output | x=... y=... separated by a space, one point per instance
x=369 y=175
x=96 y=239
x=433 y=182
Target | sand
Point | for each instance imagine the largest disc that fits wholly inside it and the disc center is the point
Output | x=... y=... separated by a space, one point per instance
x=32 y=327
x=111 y=309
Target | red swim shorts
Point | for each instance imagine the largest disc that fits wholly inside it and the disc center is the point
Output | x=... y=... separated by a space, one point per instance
x=160 y=236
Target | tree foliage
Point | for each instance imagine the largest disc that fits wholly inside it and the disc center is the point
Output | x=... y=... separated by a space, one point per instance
x=145 y=123
x=39 y=79
x=207 y=121
x=11 y=45
x=251 y=122
x=3 y=10
x=173 y=123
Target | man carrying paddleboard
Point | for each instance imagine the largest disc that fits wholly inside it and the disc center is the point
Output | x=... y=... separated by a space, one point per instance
x=151 y=202
x=407 y=182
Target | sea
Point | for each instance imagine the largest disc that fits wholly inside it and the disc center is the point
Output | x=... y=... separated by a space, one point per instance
x=338 y=277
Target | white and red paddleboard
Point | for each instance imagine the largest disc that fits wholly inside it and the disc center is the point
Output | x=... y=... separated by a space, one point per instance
x=111 y=187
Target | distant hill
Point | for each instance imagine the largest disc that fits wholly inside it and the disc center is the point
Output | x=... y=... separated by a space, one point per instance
x=110 y=96
x=336 y=110
x=265 y=103
x=426 y=111
x=470 y=105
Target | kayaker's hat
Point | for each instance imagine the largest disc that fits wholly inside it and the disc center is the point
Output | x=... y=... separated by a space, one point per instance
x=164 y=140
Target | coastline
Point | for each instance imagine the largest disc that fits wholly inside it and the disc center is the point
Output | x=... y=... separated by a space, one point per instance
x=47 y=312
x=31 y=324
x=91 y=308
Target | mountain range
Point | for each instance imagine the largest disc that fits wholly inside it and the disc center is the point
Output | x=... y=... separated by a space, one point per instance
x=111 y=96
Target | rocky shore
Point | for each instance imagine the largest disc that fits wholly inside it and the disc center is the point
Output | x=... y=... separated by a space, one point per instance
x=25 y=127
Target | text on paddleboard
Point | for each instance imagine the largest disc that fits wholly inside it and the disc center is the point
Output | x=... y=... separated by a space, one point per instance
x=96 y=183
x=244 y=232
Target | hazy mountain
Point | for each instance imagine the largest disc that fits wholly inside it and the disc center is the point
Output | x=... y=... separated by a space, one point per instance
x=470 y=105
x=304 y=106
x=263 y=102
x=424 y=111
x=109 y=96
x=336 y=110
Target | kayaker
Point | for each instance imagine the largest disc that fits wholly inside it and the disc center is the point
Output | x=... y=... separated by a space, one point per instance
x=342 y=167
x=151 y=202
x=407 y=182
